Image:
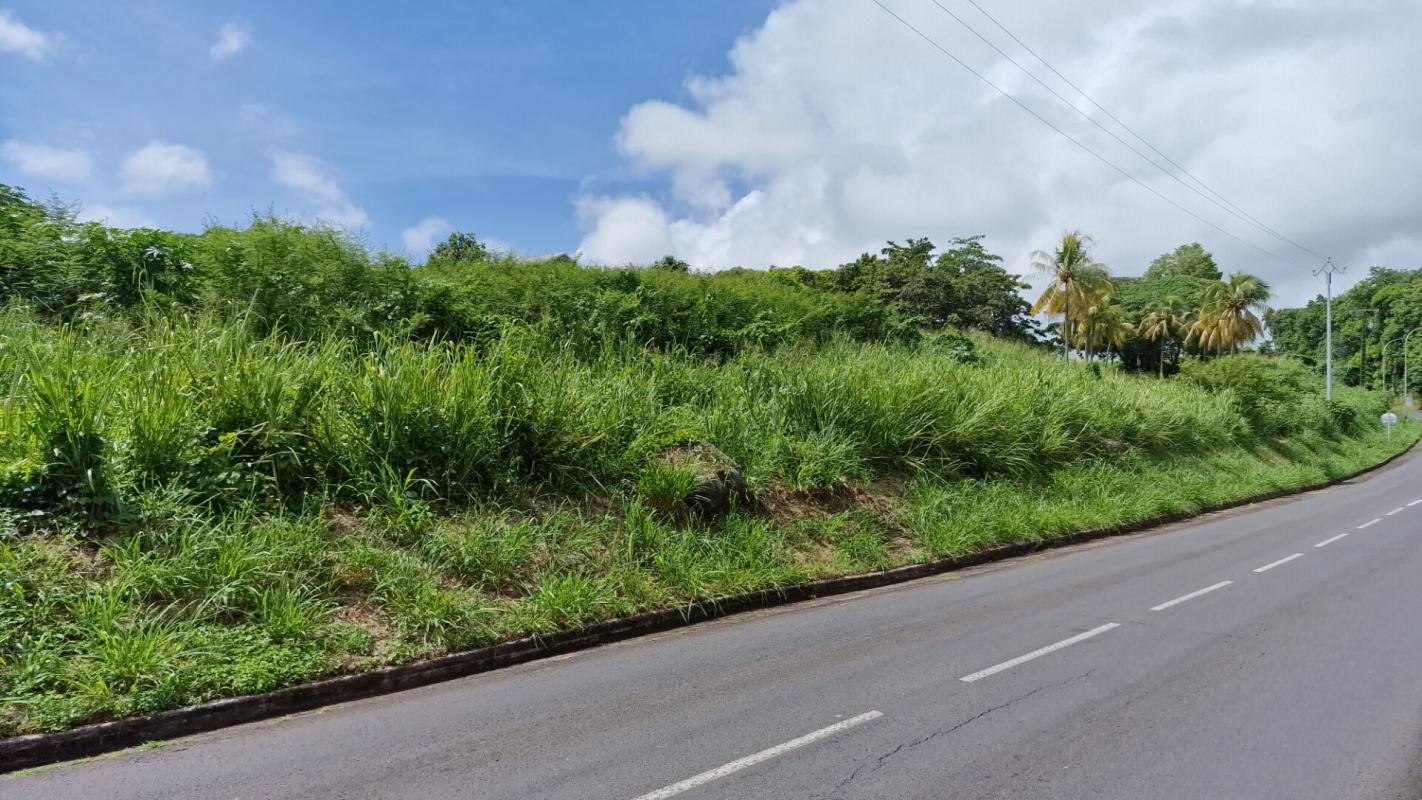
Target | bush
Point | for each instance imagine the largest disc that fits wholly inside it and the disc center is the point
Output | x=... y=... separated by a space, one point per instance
x=1281 y=396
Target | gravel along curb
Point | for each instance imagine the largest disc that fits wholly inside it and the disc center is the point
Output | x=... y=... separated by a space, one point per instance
x=32 y=750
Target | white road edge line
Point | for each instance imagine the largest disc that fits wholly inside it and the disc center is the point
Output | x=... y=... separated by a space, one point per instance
x=1080 y=637
x=1330 y=540
x=1414 y=502
x=1273 y=564
x=1373 y=521
x=1395 y=511
x=751 y=760
x=1191 y=596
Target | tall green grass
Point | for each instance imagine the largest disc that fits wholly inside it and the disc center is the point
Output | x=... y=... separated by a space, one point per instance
x=200 y=507
x=216 y=413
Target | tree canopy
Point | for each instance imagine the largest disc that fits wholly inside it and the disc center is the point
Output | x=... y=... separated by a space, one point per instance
x=964 y=285
x=1188 y=260
x=461 y=246
x=1369 y=318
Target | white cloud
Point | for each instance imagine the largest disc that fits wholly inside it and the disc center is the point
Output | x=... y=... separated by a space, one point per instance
x=160 y=168
x=420 y=237
x=116 y=217
x=836 y=128
x=16 y=37
x=43 y=161
x=624 y=230
x=232 y=38
x=315 y=181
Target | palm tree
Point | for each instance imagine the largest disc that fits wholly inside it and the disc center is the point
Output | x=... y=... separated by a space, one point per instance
x=1074 y=275
x=1102 y=321
x=1165 y=321
x=1228 y=318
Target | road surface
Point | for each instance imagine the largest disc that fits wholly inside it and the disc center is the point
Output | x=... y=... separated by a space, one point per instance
x=1269 y=652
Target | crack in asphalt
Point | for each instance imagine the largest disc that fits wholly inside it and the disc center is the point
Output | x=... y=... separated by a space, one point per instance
x=883 y=759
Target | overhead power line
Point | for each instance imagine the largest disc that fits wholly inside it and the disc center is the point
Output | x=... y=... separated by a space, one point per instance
x=1218 y=201
x=1222 y=199
x=1113 y=165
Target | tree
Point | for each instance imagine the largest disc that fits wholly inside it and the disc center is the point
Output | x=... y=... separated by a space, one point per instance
x=1073 y=279
x=974 y=291
x=1188 y=260
x=962 y=286
x=1380 y=308
x=1102 y=322
x=460 y=246
x=1165 y=323
x=1228 y=318
x=965 y=286
x=1298 y=332
x=671 y=264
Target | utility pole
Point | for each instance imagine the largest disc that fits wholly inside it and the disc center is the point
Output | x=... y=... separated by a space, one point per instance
x=1328 y=269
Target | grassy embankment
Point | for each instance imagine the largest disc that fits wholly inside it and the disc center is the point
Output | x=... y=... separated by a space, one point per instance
x=196 y=510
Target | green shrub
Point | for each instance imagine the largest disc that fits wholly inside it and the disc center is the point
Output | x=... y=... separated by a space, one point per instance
x=1280 y=396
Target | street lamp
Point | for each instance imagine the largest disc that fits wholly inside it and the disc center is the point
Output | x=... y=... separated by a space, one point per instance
x=1406 y=388
x=1384 y=359
x=1368 y=326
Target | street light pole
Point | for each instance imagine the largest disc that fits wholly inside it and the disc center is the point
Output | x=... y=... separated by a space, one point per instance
x=1365 y=378
x=1384 y=360
x=1405 y=386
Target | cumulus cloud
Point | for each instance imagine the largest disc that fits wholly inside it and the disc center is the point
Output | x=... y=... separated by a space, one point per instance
x=16 y=37
x=232 y=38
x=421 y=236
x=627 y=229
x=115 y=217
x=160 y=168
x=316 y=182
x=836 y=128
x=44 y=161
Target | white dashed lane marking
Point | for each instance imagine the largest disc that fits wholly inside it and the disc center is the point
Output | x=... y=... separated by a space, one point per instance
x=1190 y=596
x=1023 y=659
x=1281 y=561
x=755 y=758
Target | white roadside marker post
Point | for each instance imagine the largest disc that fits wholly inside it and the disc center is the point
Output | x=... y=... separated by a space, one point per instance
x=1389 y=420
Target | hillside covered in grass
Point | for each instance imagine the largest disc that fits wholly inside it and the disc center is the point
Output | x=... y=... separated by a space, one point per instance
x=234 y=461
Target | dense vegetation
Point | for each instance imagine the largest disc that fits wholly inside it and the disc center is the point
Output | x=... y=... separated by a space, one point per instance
x=1371 y=323
x=235 y=460
x=1182 y=304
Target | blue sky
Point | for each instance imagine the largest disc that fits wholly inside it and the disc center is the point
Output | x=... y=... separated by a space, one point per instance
x=490 y=115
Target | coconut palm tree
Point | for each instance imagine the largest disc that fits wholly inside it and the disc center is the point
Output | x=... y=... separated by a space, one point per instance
x=1164 y=322
x=1103 y=322
x=1073 y=276
x=1228 y=318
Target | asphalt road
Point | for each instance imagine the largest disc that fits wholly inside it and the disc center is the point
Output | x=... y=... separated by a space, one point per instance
x=1204 y=660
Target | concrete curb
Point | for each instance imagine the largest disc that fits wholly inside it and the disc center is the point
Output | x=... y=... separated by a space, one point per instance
x=32 y=750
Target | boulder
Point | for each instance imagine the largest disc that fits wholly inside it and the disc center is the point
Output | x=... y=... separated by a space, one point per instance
x=719 y=485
